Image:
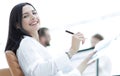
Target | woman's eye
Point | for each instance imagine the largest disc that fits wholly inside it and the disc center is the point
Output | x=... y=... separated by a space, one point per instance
x=34 y=13
x=25 y=16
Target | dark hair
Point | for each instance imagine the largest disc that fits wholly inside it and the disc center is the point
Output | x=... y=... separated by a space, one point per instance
x=98 y=36
x=16 y=34
x=41 y=31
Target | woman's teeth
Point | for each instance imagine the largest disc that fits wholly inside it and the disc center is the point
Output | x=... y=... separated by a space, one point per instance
x=34 y=23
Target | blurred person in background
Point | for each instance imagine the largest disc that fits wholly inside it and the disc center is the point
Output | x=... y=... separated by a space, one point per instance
x=44 y=36
x=101 y=67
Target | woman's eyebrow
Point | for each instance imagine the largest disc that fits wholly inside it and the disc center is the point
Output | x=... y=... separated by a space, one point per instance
x=25 y=13
x=33 y=10
x=28 y=13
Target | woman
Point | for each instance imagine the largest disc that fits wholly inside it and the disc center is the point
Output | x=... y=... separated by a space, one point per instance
x=23 y=40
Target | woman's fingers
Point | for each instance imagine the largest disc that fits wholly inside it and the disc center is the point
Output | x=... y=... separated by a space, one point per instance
x=91 y=63
x=83 y=41
x=79 y=36
x=76 y=39
x=84 y=64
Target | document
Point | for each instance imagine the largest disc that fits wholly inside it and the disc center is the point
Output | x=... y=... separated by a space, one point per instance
x=101 y=49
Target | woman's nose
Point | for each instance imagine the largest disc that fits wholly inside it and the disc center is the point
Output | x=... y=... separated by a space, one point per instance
x=32 y=17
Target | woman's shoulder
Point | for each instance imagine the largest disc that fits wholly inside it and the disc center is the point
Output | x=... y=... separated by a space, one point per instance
x=27 y=38
x=26 y=41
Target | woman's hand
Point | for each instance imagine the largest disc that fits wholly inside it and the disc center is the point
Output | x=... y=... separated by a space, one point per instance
x=85 y=64
x=76 y=39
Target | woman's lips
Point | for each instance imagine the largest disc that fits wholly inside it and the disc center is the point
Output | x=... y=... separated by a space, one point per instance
x=34 y=23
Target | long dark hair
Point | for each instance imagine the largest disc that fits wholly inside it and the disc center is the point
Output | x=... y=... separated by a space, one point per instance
x=16 y=34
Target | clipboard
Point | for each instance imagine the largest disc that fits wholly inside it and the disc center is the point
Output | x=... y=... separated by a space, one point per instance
x=100 y=48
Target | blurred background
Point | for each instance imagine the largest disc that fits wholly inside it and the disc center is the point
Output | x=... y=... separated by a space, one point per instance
x=86 y=16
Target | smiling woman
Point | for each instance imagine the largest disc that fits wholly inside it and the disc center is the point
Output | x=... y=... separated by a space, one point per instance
x=29 y=20
x=23 y=40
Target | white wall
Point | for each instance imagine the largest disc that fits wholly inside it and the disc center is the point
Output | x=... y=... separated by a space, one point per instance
x=86 y=16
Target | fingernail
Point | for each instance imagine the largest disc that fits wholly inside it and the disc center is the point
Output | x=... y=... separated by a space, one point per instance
x=95 y=51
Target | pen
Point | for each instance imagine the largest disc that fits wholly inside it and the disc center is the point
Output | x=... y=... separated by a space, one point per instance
x=69 y=32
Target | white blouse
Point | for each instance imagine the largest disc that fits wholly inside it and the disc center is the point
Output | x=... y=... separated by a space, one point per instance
x=35 y=60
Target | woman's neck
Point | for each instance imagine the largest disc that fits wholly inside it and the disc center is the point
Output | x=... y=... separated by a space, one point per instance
x=35 y=36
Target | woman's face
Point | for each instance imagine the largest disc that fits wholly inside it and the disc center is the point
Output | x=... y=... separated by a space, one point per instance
x=30 y=19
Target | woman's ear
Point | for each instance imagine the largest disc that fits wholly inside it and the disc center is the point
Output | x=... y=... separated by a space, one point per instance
x=18 y=26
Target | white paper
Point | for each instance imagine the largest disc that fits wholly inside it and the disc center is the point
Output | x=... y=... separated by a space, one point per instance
x=101 y=49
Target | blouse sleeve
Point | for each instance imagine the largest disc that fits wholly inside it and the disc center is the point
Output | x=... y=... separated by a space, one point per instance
x=34 y=64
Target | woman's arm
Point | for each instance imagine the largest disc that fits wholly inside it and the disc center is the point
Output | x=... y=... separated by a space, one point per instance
x=34 y=64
